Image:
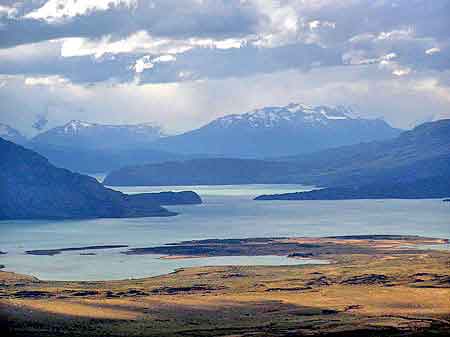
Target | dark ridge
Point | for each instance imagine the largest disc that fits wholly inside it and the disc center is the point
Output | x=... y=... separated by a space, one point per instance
x=51 y=252
x=32 y=188
x=429 y=188
x=415 y=164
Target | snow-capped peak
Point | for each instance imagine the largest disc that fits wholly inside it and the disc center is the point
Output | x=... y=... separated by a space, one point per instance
x=74 y=125
x=292 y=113
x=294 y=107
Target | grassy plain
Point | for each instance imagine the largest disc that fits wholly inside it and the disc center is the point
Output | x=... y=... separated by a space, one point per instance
x=389 y=288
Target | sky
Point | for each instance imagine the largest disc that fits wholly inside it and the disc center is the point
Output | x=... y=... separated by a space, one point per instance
x=182 y=63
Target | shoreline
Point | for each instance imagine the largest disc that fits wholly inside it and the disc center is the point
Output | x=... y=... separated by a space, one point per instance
x=374 y=287
x=180 y=257
x=321 y=249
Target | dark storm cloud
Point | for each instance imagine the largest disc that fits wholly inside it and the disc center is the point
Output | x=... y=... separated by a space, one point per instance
x=246 y=61
x=359 y=31
x=191 y=65
x=168 y=18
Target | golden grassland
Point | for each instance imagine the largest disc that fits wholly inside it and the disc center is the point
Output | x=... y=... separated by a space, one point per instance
x=391 y=291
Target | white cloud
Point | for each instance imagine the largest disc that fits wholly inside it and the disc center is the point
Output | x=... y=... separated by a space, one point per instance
x=364 y=37
x=397 y=34
x=432 y=51
x=142 y=64
x=282 y=26
x=219 y=44
x=146 y=62
x=317 y=24
x=7 y=11
x=394 y=67
x=359 y=57
x=60 y=10
x=164 y=58
x=45 y=80
x=401 y=71
x=141 y=42
x=137 y=42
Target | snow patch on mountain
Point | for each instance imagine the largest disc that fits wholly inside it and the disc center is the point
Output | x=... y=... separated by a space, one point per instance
x=269 y=117
x=75 y=126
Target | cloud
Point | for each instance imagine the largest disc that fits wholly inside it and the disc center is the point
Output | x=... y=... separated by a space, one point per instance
x=403 y=101
x=94 y=19
x=102 y=50
x=61 y=10
x=46 y=81
x=7 y=11
x=91 y=63
x=147 y=63
x=119 y=33
x=432 y=51
x=140 y=42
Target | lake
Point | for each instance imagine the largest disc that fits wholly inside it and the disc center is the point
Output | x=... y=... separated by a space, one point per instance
x=227 y=212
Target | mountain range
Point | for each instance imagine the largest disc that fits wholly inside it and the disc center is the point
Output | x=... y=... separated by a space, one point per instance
x=32 y=188
x=415 y=163
x=268 y=132
x=278 y=131
x=419 y=157
x=84 y=135
x=94 y=148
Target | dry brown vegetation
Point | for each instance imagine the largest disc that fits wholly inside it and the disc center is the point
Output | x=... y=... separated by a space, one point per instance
x=392 y=291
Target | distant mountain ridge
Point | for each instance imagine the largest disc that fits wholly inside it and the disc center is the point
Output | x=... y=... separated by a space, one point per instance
x=277 y=131
x=416 y=163
x=94 y=148
x=263 y=133
x=415 y=154
x=81 y=134
x=11 y=134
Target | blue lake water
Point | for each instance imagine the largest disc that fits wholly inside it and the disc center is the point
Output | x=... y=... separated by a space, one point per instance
x=227 y=212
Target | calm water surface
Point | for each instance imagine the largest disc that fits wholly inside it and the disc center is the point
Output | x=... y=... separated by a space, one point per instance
x=227 y=212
